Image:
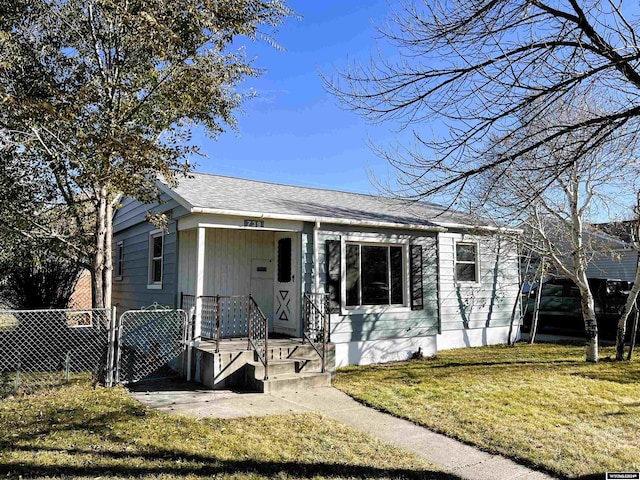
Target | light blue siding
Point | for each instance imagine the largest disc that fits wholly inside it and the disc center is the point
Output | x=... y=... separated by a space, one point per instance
x=389 y=325
x=132 y=292
x=487 y=303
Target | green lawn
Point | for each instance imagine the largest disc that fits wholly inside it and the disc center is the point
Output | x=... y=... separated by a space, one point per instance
x=541 y=404
x=81 y=432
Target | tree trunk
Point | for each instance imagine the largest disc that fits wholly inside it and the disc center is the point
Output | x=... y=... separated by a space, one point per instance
x=97 y=276
x=536 y=309
x=108 y=258
x=590 y=324
x=634 y=333
x=518 y=301
x=622 y=322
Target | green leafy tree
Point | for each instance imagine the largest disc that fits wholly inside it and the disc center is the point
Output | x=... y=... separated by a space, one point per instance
x=101 y=96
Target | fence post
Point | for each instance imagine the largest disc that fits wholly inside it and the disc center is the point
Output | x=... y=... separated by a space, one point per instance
x=117 y=349
x=67 y=367
x=190 y=326
x=17 y=379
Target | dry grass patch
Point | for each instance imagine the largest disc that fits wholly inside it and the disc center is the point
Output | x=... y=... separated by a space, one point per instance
x=80 y=432
x=541 y=404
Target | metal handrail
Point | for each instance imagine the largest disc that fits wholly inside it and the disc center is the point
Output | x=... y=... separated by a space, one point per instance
x=255 y=325
x=259 y=332
x=312 y=329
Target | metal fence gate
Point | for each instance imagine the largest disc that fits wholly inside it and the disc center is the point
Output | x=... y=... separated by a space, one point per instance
x=149 y=344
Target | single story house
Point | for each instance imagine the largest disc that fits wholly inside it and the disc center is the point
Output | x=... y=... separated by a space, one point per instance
x=401 y=277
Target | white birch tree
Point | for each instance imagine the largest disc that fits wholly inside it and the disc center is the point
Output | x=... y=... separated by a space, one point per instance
x=577 y=186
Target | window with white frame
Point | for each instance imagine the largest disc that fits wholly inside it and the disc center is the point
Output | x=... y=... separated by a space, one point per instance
x=119 y=263
x=156 y=241
x=466 y=262
x=374 y=274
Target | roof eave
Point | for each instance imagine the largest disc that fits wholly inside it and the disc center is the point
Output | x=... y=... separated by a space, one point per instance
x=481 y=228
x=314 y=219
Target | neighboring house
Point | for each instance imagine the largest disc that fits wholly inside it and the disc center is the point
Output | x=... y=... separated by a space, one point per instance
x=81 y=298
x=616 y=258
x=610 y=253
x=401 y=277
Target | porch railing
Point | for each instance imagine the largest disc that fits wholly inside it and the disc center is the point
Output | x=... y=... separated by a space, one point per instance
x=258 y=326
x=232 y=316
x=316 y=323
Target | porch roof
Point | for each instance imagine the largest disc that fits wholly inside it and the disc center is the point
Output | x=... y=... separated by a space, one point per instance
x=208 y=193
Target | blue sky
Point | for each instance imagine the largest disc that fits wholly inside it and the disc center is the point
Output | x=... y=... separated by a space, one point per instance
x=295 y=132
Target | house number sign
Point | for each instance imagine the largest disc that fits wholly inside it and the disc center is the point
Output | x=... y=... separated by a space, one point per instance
x=254 y=223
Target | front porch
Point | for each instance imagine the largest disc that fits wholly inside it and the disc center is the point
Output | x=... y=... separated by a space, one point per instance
x=291 y=364
x=232 y=347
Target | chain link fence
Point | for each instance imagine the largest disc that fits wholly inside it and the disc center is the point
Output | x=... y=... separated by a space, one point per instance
x=47 y=348
x=44 y=348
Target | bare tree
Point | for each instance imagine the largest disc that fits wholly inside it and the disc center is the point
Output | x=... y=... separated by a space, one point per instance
x=577 y=184
x=630 y=304
x=476 y=65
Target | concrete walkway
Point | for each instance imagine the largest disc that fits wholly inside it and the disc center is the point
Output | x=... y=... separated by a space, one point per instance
x=449 y=455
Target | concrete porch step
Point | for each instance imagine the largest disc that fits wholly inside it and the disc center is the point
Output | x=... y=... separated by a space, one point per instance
x=292 y=382
x=255 y=369
x=307 y=364
x=236 y=367
x=293 y=350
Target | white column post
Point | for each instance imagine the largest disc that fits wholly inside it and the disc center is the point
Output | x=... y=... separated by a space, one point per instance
x=316 y=259
x=200 y=251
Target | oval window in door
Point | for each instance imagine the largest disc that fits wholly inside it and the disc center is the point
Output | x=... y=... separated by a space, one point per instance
x=284 y=260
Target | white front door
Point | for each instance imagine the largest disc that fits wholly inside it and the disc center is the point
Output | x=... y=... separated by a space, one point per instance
x=286 y=303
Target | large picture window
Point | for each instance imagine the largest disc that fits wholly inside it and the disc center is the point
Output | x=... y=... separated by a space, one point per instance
x=156 y=240
x=466 y=262
x=374 y=275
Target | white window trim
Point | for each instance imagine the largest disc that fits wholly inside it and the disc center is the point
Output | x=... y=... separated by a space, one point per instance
x=477 y=263
x=150 y=284
x=119 y=261
x=393 y=240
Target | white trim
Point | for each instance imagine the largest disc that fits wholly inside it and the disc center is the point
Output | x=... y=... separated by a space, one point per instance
x=309 y=218
x=380 y=240
x=151 y=285
x=201 y=241
x=477 y=280
x=479 y=228
x=316 y=258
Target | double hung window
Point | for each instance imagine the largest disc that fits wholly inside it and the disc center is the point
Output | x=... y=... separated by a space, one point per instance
x=466 y=262
x=156 y=241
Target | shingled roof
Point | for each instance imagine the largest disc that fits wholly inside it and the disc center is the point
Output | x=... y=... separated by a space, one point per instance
x=210 y=193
